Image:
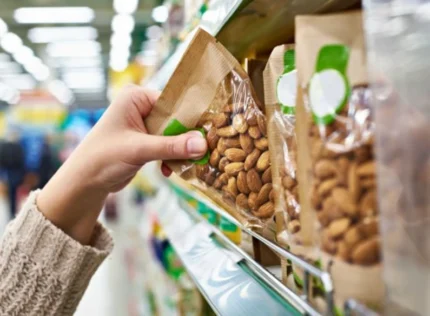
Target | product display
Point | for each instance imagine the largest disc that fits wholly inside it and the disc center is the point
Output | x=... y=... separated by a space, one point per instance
x=280 y=82
x=337 y=166
x=236 y=170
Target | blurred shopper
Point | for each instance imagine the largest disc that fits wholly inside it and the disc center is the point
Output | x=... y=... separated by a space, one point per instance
x=54 y=246
x=12 y=163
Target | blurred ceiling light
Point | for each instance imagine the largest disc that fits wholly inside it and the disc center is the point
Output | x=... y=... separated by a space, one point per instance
x=43 y=15
x=120 y=40
x=9 y=94
x=122 y=23
x=160 y=14
x=125 y=6
x=3 y=28
x=154 y=32
x=94 y=78
x=10 y=42
x=118 y=64
x=85 y=84
x=74 y=48
x=68 y=33
x=23 y=54
x=41 y=73
x=60 y=90
x=79 y=62
x=20 y=81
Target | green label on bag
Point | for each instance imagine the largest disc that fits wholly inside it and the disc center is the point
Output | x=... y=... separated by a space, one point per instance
x=286 y=87
x=329 y=87
x=175 y=128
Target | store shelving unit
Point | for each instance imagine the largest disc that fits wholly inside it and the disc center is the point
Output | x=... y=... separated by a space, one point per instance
x=231 y=280
x=249 y=27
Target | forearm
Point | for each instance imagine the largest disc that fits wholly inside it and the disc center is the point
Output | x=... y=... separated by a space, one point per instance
x=72 y=200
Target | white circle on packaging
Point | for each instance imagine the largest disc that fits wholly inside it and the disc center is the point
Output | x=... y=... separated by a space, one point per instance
x=287 y=88
x=327 y=91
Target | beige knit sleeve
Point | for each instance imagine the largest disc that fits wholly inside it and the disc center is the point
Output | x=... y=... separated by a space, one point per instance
x=43 y=271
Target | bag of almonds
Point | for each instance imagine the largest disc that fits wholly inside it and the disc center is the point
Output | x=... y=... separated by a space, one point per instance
x=280 y=84
x=335 y=132
x=210 y=92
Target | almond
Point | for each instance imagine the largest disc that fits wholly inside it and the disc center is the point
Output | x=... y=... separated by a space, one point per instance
x=367 y=252
x=251 y=116
x=264 y=211
x=263 y=162
x=332 y=210
x=362 y=154
x=261 y=122
x=251 y=200
x=221 y=146
x=272 y=196
x=367 y=169
x=326 y=186
x=267 y=176
x=215 y=158
x=242 y=183
x=342 y=171
x=261 y=143
x=263 y=195
x=202 y=171
x=223 y=178
x=368 y=183
x=252 y=159
x=246 y=142
x=235 y=154
x=254 y=181
x=232 y=186
x=288 y=182
x=254 y=132
x=368 y=204
x=228 y=108
x=212 y=138
x=232 y=142
x=328 y=244
x=353 y=184
x=220 y=120
x=226 y=194
x=220 y=181
x=368 y=227
x=338 y=227
x=242 y=201
x=293 y=226
x=227 y=131
x=344 y=200
x=222 y=163
x=240 y=124
x=325 y=168
x=352 y=236
x=343 y=251
x=233 y=168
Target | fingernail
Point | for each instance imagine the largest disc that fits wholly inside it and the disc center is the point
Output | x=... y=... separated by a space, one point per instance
x=196 y=145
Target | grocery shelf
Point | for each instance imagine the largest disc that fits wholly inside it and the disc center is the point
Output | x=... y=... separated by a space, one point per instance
x=231 y=281
x=247 y=27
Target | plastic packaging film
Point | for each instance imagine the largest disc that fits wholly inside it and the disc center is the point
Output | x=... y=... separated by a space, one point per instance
x=236 y=171
x=398 y=48
x=337 y=173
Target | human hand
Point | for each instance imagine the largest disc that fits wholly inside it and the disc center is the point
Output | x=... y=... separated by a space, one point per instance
x=108 y=159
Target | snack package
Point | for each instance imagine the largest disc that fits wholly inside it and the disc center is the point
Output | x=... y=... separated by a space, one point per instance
x=280 y=83
x=335 y=132
x=211 y=93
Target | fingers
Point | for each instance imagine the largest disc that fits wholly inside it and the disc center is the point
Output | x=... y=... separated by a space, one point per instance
x=191 y=145
x=143 y=99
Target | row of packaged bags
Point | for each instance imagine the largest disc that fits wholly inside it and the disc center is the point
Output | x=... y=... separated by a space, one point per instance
x=299 y=169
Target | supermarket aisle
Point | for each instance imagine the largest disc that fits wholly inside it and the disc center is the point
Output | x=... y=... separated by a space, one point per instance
x=110 y=289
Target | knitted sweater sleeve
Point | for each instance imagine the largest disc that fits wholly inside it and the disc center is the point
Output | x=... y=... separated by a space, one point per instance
x=43 y=271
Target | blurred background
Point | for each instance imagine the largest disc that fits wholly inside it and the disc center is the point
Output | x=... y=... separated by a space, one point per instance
x=61 y=62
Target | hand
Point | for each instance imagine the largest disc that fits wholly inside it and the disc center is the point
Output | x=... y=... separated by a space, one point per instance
x=108 y=159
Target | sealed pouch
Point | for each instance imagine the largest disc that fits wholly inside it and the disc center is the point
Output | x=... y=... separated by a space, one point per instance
x=210 y=92
x=335 y=131
x=280 y=83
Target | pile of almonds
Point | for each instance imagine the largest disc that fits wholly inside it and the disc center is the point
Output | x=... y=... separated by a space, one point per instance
x=239 y=164
x=344 y=186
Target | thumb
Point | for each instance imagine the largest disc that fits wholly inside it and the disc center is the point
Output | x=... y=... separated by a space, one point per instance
x=191 y=145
